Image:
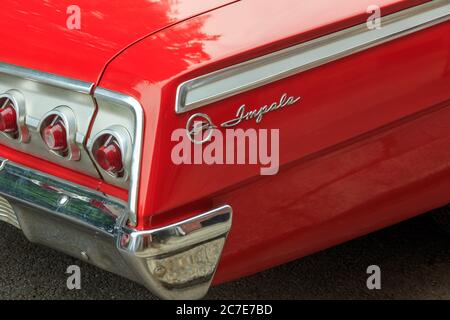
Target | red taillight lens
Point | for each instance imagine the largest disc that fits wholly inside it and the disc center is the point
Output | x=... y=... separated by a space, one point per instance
x=109 y=156
x=55 y=136
x=8 y=119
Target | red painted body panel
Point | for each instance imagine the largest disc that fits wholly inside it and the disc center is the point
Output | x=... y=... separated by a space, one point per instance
x=339 y=195
x=34 y=33
x=366 y=147
x=158 y=194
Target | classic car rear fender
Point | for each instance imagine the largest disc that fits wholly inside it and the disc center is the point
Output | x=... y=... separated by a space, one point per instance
x=362 y=116
x=349 y=149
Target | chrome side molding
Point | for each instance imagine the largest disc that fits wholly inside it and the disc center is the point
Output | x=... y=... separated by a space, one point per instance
x=46 y=78
x=249 y=75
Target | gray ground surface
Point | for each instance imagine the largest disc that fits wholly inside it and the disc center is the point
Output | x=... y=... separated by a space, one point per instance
x=414 y=257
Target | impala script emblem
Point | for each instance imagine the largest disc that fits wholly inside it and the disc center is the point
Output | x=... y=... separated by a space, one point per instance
x=228 y=145
x=202 y=123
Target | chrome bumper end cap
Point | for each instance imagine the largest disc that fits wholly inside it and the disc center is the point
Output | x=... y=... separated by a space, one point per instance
x=178 y=261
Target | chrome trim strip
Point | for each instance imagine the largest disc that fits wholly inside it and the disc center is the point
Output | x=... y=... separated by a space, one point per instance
x=136 y=107
x=176 y=236
x=249 y=75
x=46 y=78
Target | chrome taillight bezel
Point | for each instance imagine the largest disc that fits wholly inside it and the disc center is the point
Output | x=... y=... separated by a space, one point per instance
x=68 y=117
x=18 y=103
x=123 y=138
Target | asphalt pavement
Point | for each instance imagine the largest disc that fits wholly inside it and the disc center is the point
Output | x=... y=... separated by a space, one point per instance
x=414 y=258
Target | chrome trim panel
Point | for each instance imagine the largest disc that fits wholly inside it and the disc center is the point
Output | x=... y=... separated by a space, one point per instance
x=136 y=108
x=38 y=93
x=85 y=88
x=233 y=80
x=177 y=261
x=46 y=78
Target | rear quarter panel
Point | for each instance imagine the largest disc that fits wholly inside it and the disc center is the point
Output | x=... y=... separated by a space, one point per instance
x=367 y=146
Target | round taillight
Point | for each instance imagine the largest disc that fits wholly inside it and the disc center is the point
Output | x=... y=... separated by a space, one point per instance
x=12 y=116
x=55 y=135
x=8 y=118
x=109 y=156
x=58 y=130
x=110 y=150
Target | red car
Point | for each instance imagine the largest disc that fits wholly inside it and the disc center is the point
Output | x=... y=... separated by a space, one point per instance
x=185 y=143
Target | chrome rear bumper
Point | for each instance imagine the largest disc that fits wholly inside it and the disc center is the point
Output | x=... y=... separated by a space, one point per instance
x=174 y=262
